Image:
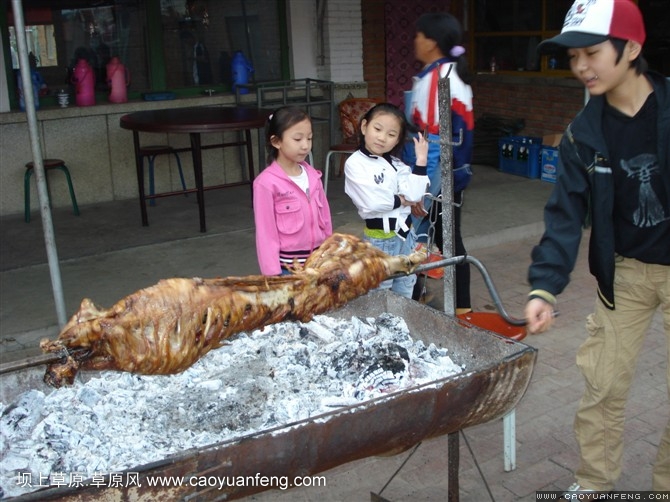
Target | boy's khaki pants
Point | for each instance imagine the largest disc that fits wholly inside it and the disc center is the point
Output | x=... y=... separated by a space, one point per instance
x=607 y=360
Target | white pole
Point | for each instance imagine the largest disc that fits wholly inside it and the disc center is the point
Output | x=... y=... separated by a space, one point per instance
x=42 y=193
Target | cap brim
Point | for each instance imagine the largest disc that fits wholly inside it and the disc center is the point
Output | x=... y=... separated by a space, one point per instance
x=570 y=39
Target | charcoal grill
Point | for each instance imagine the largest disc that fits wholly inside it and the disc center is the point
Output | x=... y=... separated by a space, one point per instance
x=497 y=373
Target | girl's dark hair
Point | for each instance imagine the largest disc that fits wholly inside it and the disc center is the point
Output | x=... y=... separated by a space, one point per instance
x=389 y=109
x=446 y=30
x=639 y=63
x=282 y=119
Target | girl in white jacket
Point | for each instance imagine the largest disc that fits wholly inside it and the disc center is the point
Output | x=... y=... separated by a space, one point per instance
x=383 y=188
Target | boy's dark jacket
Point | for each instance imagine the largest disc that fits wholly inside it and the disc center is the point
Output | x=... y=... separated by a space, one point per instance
x=582 y=196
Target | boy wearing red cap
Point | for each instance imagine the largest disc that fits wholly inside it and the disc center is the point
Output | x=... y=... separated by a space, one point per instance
x=614 y=174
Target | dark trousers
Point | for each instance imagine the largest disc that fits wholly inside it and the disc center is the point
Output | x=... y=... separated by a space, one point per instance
x=463 y=270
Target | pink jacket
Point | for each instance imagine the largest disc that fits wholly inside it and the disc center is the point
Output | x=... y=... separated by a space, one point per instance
x=287 y=218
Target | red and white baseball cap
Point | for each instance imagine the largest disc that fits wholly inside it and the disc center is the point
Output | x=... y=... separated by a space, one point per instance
x=591 y=22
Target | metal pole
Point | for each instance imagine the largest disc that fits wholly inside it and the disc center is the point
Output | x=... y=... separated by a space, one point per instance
x=447 y=180
x=42 y=193
x=446 y=168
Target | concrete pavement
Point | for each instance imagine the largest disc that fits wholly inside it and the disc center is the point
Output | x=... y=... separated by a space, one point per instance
x=106 y=254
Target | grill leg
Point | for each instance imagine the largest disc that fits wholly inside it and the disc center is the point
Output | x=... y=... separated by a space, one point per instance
x=509 y=441
x=452 y=470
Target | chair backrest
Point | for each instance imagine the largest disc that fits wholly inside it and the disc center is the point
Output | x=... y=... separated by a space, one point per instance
x=352 y=111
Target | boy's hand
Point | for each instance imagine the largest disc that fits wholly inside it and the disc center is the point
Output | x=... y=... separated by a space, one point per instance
x=539 y=316
x=421 y=149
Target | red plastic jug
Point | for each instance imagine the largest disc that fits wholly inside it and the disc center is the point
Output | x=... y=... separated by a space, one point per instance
x=84 y=81
x=118 y=79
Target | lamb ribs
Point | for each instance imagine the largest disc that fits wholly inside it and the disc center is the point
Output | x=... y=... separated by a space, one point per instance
x=167 y=327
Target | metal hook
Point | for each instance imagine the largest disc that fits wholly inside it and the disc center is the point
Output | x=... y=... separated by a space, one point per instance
x=447 y=142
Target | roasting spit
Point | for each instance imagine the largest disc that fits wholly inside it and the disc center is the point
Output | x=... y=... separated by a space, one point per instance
x=497 y=373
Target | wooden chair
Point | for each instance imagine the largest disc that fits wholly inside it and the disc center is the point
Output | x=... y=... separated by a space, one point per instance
x=351 y=112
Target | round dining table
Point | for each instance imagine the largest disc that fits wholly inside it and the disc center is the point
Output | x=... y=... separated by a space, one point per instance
x=194 y=121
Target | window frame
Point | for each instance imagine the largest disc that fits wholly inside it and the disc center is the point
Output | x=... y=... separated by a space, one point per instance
x=543 y=33
x=156 y=59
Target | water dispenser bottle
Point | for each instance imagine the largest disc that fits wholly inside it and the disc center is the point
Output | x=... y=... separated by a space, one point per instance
x=241 y=70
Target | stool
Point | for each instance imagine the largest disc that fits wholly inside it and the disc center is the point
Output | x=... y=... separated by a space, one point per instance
x=150 y=152
x=49 y=164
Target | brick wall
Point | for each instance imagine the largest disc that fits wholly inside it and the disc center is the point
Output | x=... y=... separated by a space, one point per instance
x=343 y=41
x=547 y=105
x=374 y=53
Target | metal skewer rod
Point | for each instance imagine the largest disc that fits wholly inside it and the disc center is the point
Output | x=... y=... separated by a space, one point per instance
x=29 y=362
x=454 y=260
x=457 y=260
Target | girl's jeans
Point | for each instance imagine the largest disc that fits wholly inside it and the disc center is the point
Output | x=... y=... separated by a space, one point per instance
x=607 y=360
x=395 y=246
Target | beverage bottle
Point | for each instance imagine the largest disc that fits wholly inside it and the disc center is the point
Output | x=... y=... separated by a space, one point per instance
x=525 y=149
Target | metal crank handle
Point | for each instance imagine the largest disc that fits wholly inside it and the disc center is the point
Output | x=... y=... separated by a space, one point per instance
x=458 y=260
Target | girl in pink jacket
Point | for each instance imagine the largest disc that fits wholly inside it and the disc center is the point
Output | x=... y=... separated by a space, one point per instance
x=291 y=211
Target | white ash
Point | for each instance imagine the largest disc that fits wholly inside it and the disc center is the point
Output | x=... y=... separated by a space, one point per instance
x=281 y=374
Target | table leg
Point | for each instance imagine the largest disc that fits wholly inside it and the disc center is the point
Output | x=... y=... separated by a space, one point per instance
x=197 y=172
x=250 y=160
x=140 y=178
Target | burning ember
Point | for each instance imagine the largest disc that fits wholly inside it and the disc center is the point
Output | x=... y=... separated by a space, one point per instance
x=277 y=375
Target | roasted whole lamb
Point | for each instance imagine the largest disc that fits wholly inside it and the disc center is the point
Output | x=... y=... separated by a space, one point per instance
x=167 y=327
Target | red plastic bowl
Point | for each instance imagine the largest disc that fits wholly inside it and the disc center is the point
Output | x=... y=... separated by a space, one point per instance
x=492 y=321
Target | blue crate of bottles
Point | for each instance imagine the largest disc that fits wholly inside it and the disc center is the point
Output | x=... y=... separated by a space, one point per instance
x=520 y=155
x=549 y=164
